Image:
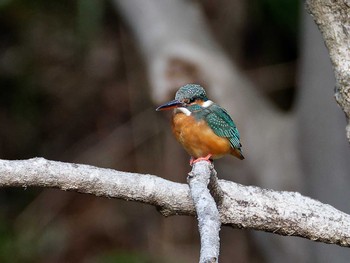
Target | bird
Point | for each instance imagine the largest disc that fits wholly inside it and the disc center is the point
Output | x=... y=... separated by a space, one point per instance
x=205 y=129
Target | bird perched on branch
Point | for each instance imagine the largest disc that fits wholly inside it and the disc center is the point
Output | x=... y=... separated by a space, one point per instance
x=204 y=129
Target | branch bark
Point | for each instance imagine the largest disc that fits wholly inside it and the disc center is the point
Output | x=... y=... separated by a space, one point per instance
x=333 y=20
x=248 y=207
x=207 y=211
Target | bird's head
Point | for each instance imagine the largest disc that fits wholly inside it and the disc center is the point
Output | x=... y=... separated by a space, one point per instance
x=186 y=96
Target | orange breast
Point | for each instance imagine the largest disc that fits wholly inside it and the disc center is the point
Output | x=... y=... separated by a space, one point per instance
x=197 y=137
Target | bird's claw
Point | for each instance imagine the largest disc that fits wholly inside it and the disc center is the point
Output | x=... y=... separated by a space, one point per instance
x=206 y=158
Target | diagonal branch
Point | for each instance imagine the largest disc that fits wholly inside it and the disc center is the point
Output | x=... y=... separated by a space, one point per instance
x=333 y=20
x=248 y=207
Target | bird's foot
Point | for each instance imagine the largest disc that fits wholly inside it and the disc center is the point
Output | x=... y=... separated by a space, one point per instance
x=206 y=158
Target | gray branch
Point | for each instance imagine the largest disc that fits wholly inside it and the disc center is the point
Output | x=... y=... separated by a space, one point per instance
x=248 y=207
x=170 y=197
x=207 y=212
x=333 y=20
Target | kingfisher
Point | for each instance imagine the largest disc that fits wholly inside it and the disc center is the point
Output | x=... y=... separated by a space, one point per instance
x=204 y=129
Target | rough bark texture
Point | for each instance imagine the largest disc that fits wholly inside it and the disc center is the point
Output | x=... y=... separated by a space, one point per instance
x=285 y=213
x=100 y=182
x=207 y=211
x=333 y=20
x=322 y=146
x=249 y=207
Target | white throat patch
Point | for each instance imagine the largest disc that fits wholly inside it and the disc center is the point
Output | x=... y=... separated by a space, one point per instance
x=183 y=110
x=207 y=103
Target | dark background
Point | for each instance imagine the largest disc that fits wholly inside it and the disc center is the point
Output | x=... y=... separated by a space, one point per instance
x=68 y=77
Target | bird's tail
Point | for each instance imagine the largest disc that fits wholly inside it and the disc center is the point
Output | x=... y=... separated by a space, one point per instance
x=237 y=152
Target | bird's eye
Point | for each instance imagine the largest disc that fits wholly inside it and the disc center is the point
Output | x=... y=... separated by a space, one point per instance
x=189 y=101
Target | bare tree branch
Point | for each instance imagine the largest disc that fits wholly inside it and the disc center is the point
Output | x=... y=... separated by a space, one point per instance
x=333 y=20
x=207 y=211
x=170 y=197
x=248 y=207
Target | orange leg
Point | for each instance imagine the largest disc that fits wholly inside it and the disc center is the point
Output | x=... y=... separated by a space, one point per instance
x=206 y=158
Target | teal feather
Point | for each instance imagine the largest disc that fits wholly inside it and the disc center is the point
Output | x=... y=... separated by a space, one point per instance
x=220 y=122
x=189 y=99
x=191 y=91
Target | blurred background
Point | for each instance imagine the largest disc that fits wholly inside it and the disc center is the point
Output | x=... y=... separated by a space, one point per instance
x=79 y=82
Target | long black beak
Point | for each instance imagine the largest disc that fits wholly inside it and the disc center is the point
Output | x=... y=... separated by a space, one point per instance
x=170 y=105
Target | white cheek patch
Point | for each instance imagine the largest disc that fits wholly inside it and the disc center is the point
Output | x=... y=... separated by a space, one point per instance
x=207 y=103
x=183 y=110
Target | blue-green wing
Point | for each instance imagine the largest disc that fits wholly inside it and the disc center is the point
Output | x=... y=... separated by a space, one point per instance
x=222 y=125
